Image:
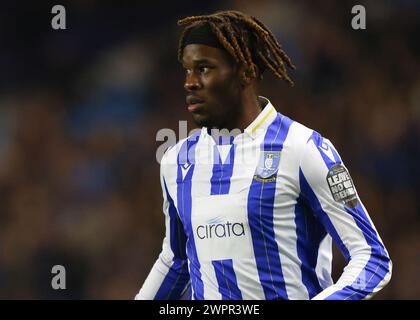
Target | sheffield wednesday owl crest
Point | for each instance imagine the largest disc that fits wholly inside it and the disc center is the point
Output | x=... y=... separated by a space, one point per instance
x=268 y=166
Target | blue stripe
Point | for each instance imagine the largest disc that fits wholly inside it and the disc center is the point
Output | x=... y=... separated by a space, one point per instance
x=309 y=234
x=375 y=269
x=378 y=265
x=226 y=279
x=174 y=282
x=184 y=201
x=222 y=172
x=217 y=171
x=260 y=216
x=178 y=239
x=323 y=147
x=314 y=203
x=227 y=169
x=177 y=276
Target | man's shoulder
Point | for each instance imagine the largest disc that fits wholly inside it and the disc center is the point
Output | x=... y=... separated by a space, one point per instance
x=310 y=136
x=311 y=145
x=299 y=134
x=304 y=134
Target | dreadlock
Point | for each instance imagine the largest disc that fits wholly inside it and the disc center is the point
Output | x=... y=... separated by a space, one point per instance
x=240 y=34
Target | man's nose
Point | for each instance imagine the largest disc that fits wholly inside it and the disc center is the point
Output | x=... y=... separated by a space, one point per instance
x=192 y=82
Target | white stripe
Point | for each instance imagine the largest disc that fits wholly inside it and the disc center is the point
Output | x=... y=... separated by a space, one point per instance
x=246 y=159
x=284 y=217
x=324 y=262
x=248 y=280
x=210 y=283
x=200 y=186
x=203 y=170
x=192 y=286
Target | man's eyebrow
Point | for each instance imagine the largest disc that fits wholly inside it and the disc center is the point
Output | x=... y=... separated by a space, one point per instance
x=203 y=61
x=198 y=61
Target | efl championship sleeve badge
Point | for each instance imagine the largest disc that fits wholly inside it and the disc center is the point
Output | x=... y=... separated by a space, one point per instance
x=268 y=166
x=341 y=186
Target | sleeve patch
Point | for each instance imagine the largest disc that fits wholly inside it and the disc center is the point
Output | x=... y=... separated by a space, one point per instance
x=341 y=186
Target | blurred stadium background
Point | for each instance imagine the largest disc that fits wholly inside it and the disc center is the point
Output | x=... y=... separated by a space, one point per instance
x=80 y=109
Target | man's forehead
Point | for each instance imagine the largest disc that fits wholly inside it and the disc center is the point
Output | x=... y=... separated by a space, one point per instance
x=203 y=53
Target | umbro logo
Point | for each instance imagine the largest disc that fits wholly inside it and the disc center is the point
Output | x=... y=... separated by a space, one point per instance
x=184 y=169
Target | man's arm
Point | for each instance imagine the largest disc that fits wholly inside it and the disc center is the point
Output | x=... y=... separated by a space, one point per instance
x=169 y=277
x=328 y=189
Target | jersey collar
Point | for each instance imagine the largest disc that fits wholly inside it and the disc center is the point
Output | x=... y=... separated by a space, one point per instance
x=262 y=121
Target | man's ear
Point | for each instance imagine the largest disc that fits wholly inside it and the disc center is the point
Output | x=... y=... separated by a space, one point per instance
x=245 y=76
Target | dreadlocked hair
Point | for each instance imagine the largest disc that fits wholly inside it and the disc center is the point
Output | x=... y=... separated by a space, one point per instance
x=238 y=33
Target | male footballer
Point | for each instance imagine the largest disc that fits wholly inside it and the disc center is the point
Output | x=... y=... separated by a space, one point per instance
x=253 y=215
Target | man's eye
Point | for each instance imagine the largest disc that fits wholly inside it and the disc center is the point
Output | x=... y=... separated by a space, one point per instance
x=203 y=69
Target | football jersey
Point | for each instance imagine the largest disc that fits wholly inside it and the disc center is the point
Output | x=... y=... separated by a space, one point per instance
x=253 y=216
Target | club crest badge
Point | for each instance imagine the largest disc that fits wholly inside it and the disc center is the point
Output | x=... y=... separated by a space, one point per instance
x=267 y=166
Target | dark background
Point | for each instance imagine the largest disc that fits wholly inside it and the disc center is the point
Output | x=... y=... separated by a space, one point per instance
x=80 y=109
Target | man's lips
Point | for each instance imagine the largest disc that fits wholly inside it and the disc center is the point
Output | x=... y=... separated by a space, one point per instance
x=194 y=103
x=194 y=107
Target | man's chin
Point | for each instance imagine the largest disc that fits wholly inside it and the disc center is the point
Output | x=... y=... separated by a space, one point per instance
x=202 y=121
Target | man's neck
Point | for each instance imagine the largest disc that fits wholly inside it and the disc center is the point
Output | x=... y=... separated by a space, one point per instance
x=251 y=108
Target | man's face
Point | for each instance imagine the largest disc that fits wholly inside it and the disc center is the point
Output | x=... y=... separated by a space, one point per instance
x=213 y=86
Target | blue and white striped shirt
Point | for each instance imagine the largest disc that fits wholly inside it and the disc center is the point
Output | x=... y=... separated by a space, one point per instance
x=254 y=218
